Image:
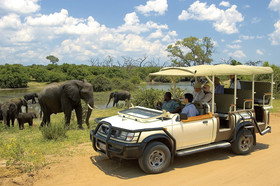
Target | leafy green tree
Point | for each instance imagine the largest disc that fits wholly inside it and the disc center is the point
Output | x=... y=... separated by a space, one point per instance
x=13 y=76
x=53 y=59
x=191 y=51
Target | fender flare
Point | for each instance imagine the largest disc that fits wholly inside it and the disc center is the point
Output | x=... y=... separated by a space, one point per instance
x=241 y=126
x=160 y=138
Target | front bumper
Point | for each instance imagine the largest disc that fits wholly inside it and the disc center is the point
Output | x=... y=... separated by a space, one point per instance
x=115 y=149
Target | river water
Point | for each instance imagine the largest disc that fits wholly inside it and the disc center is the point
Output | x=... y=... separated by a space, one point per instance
x=100 y=99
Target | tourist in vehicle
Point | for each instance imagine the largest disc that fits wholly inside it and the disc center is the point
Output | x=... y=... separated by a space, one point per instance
x=189 y=109
x=198 y=93
x=207 y=94
x=238 y=85
x=168 y=104
x=219 y=89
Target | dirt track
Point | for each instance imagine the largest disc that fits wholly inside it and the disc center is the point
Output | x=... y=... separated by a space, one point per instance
x=216 y=167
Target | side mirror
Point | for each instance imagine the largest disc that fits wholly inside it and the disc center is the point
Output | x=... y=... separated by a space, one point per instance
x=183 y=117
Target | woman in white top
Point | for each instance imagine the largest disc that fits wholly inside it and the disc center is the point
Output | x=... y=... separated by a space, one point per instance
x=198 y=93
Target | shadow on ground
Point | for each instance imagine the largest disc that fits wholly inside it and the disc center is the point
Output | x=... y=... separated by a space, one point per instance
x=127 y=169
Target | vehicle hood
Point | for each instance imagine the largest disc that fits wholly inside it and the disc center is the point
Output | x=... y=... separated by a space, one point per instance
x=130 y=124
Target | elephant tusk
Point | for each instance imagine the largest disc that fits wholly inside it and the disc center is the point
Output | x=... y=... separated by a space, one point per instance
x=90 y=107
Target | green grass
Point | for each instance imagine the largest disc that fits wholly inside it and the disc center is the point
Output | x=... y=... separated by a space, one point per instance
x=29 y=149
x=276 y=105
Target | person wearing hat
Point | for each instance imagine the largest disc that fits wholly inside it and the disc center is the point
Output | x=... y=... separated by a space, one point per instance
x=207 y=94
x=170 y=105
x=238 y=85
x=189 y=109
x=198 y=93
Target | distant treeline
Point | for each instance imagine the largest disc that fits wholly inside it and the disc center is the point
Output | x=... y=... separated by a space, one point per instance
x=102 y=78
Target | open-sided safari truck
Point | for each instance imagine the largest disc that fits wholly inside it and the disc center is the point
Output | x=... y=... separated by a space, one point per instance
x=155 y=137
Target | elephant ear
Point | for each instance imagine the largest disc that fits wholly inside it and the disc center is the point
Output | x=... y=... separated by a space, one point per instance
x=72 y=92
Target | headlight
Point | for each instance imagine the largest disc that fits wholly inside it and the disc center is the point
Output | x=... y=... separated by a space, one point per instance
x=126 y=136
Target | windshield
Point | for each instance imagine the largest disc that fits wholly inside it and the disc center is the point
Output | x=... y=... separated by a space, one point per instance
x=141 y=113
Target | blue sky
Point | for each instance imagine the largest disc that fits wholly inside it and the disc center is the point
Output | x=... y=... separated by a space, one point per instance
x=76 y=31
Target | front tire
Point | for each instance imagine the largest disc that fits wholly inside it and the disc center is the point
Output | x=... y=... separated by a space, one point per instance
x=244 y=142
x=155 y=159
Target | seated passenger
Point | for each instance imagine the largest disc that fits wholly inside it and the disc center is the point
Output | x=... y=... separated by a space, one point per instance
x=189 y=109
x=198 y=93
x=207 y=94
x=169 y=104
x=219 y=89
x=238 y=84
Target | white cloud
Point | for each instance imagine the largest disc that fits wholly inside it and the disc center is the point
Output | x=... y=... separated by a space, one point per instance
x=131 y=19
x=234 y=46
x=275 y=36
x=275 y=5
x=258 y=51
x=157 y=6
x=225 y=4
x=237 y=41
x=19 y=6
x=10 y=21
x=238 y=54
x=223 y=20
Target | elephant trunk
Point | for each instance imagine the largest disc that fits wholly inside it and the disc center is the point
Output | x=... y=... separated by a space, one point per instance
x=90 y=107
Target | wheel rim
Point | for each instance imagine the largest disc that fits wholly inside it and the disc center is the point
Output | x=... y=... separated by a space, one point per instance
x=156 y=158
x=245 y=143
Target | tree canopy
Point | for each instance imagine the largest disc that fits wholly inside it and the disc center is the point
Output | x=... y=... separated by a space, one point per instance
x=52 y=59
x=191 y=51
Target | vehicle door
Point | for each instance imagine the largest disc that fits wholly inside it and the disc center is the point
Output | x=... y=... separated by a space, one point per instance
x=193 y=133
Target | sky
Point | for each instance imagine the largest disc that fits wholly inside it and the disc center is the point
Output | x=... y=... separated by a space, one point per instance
x=77 y=31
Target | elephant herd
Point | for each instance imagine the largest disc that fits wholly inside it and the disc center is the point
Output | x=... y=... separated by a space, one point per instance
x=56 y=98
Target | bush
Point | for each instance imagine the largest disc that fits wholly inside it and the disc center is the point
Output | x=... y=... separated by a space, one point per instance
x=148 y=97
x=135 y=80
x=54 y=131
x=101 y=83
x=13 y=76
x=11 y=151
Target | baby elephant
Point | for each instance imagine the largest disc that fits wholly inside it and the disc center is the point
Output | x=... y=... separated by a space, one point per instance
x=25 y=118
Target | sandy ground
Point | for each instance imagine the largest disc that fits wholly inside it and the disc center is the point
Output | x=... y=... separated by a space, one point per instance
x=215 y=167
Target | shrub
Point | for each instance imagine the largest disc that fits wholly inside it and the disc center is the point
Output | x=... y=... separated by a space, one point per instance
x=148 y=97
x=12 y=151
x=101 y=83
x=13 y=76
x=54 y=131
x=135 y=80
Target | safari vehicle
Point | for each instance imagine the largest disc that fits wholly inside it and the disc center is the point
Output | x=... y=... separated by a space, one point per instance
x=155 y=137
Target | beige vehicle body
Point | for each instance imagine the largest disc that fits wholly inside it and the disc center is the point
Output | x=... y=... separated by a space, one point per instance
x=156 y=137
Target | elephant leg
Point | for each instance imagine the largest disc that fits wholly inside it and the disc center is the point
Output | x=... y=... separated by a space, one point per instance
x=13 y=122
x=67 y=116
x=30 y=123
x=79 y=114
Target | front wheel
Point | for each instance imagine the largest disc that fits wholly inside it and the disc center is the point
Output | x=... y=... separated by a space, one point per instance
x=155 y=159
x=244 y=142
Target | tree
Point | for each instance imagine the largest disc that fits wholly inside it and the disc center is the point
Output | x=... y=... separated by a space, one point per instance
x=52 y=59
x=191 y=51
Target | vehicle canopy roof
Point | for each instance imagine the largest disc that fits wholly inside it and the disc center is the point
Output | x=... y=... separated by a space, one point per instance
x=210 y=70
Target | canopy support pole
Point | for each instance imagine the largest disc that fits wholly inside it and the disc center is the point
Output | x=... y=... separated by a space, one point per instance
x=253 y=91
x=235 y=92
x=213 y=92
x=271 y=89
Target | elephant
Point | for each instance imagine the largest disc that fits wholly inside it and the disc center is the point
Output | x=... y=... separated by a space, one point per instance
x=10 y=112
x=31 y=96
x=123 y=95
x=20 y=102
x=25 y=118
x=65 y=97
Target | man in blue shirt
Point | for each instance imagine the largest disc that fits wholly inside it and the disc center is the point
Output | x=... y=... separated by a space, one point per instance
x=169 y=104
x=219 y=89
x=189 y=109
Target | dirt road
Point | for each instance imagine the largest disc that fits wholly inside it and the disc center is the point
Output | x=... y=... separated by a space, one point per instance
x=215 y=167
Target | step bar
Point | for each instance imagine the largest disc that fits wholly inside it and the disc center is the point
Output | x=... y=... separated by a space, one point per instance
x=203 y=148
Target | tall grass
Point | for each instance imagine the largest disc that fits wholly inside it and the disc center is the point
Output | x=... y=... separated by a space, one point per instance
x=54 y=131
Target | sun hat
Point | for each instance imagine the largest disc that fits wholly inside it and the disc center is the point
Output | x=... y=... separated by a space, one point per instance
x=206 y=88
x=197 y=85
